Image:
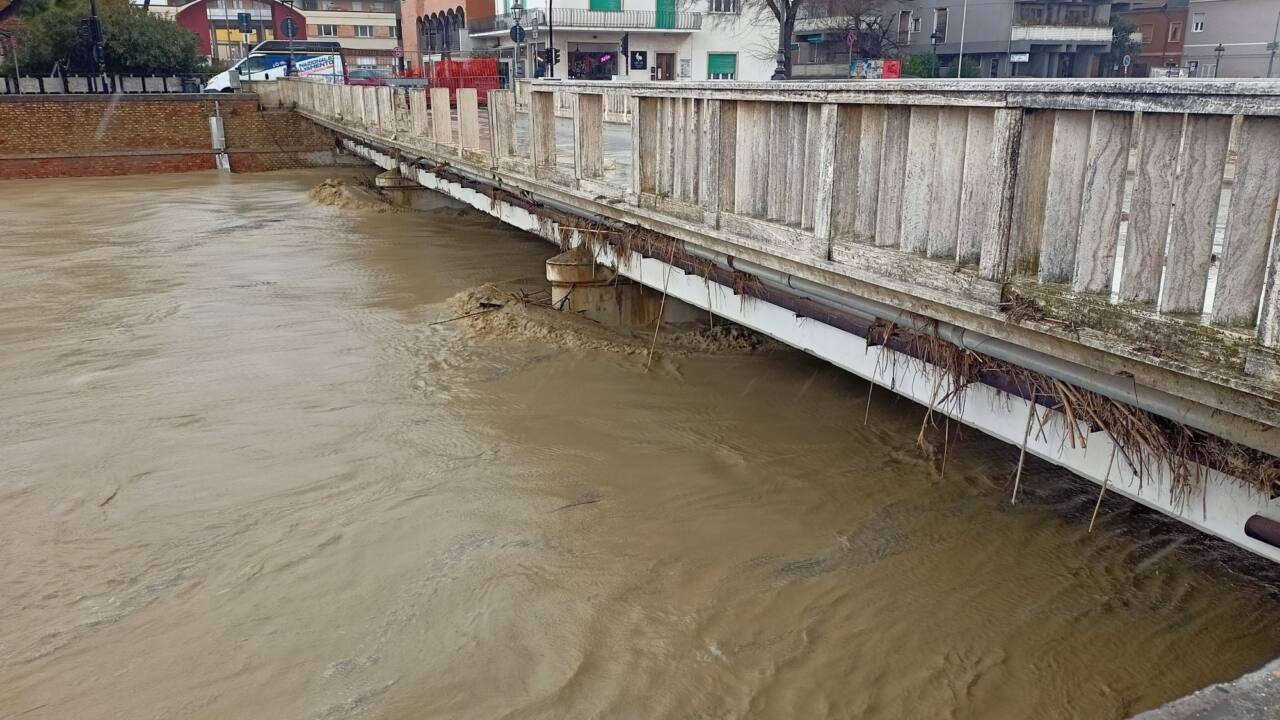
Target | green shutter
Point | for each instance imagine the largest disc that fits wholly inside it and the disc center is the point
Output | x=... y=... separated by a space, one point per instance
x=666 y=15
x=722 y=64
x=610 y=5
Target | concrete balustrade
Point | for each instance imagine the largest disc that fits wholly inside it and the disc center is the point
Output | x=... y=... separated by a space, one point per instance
x=1115 y=210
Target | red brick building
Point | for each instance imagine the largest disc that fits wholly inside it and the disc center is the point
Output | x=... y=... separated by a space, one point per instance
x=1162 y=27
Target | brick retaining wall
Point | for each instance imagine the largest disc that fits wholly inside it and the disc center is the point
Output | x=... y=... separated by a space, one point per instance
x=75 y=136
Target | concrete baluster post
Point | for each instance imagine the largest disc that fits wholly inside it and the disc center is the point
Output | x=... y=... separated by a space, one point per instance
x=1249 y=231
x=824 y=180
x=710 y=148
x=588 y=136
x=468 y=118
x=1006 y=136
x=542 y=126
x=502 y=124
x=441 y=120
x=644 y=145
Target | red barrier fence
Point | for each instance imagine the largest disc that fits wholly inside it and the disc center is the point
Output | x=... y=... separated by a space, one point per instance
x=480 y=73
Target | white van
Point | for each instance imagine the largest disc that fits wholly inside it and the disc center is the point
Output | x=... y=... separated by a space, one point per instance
x=269 y=60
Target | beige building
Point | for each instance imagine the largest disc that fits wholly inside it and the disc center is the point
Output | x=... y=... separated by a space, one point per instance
x=368 y=30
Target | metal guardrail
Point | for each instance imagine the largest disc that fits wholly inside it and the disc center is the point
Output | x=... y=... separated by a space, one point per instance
x=583 y=18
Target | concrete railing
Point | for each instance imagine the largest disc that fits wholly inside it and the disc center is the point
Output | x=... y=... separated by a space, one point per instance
x=616 y=107
x=1111 y=213
x=1061 y=33
x=76 y=84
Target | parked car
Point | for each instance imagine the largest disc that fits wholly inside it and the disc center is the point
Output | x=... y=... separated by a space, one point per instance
x=367 y=76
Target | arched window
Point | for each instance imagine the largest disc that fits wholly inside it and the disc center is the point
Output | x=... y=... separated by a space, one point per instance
x=433 y=33
x=450 y=28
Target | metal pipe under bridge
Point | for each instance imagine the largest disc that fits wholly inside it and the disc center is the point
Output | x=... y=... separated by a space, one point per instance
x=1084 y=269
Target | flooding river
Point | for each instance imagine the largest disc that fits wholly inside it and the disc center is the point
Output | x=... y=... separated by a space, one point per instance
x=243 y=476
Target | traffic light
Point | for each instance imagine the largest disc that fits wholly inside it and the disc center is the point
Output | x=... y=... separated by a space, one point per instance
x=553 y=56
x=626 y=45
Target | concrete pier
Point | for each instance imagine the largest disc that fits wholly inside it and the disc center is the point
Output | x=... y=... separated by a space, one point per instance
x=581 y=284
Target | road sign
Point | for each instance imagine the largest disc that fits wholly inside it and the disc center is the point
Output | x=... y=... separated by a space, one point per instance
x=517 y=34
x=851 y=39
x=289 y=28
x=1019 y=57
x=397 y=52
x=1127 y=61
x=246 y=22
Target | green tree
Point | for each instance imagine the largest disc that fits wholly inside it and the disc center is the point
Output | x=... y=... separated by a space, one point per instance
x=1122 y=43
x=135 y=42
x=919 y=65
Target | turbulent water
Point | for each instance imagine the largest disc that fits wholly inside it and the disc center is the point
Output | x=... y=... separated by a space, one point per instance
x=243 y=475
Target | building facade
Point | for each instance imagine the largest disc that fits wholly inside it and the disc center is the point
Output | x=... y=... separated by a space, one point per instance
x=1161 y=29
x=601 y=39
x=368 y=30
x=1248 y=31
x=1001 y=38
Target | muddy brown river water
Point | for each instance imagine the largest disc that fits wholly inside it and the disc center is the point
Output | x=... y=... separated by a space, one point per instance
x=243 y=476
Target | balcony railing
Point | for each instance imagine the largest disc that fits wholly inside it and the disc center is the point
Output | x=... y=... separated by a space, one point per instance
x=1062 y=33
x=577 y=18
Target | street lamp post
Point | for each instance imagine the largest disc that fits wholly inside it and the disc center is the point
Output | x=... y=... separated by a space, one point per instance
x=780 y=68
x=1217 y=65
x=517 y=14
x=289 y=69
x=935 y=39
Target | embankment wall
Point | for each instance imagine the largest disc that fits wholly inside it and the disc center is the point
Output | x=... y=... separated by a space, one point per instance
x=75 y=136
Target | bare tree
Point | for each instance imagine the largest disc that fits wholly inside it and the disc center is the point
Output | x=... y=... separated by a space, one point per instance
x=874 y=29
x=872 y=26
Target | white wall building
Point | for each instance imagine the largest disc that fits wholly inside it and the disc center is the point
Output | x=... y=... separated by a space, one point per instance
x=709 y=40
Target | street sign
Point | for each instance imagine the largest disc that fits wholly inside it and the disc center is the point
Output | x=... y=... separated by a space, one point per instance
x=397 y=52
x=1019 y=57
x=246 y=22
x=851 y=40
x=517 y=34
x=1127 y=61
x=289 y=28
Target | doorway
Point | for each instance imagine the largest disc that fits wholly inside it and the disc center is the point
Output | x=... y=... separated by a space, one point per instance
x=664 y=67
